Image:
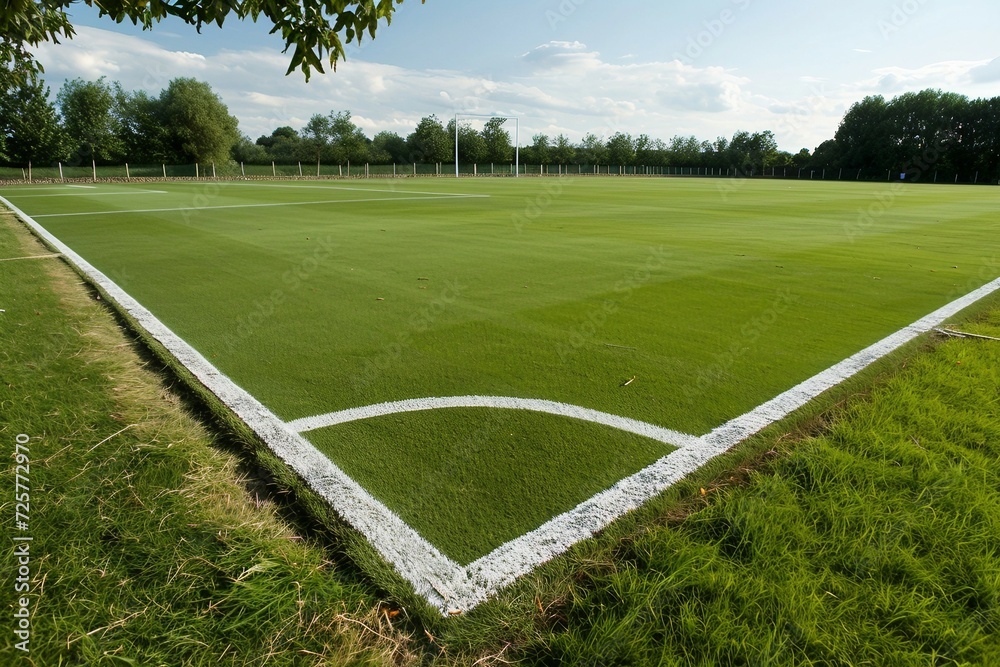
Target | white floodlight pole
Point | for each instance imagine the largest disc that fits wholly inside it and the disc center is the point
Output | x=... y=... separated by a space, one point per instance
x=517 y=148
x=456 y=145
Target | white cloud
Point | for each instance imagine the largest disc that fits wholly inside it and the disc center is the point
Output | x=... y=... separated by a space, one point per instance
x=988 y=73
x=949 y=75
x=558 y=87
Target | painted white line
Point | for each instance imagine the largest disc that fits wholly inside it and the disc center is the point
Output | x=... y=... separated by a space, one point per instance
x=33 y=188
x=346 y=187
x=484 y=577
x=499 y=402
x=271 y=205
x=442 y=582
x=736 y=430
x=87 y=187
x=15 y=259
x=418 y=561
x=93 y=194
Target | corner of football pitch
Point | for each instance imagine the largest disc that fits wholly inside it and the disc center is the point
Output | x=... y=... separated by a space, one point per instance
x=477 y=374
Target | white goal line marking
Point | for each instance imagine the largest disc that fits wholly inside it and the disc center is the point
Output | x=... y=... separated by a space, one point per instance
x=270 y=205
x=444 y=583
x=644 y=429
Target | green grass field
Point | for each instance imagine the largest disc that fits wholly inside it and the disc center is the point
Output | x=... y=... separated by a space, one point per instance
x=317 y=297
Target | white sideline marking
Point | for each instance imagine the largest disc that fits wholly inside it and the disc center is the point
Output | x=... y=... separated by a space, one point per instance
x=94 y=194
x=444 y=583
x=418 y=561
x=345 y=187
x=500 y=402
x=271 y=205
x=33 y=188
x=487 y=575
x=88 y=187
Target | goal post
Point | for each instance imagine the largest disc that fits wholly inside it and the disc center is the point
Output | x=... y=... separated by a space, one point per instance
x=517 y=138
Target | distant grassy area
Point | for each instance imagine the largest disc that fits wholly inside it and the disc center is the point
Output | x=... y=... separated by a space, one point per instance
x=866 y=535
x=715 y=295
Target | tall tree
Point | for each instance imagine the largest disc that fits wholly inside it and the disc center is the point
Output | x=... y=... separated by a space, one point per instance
x=752 y=151
x=250 y=152
x=317 y=135
x=389 y=147
x=90 y=119
x=29 y=126
x=684 y=151
x=563 y=151
x=429 y=142
x=314 y=30
x=864 y=136
x=471 y=145
x=497 y=139
x=645 y=150
x=621 y=149
x=540 y=152
x=283 y=145
x=349 y=140
x=592 y=150
x=141 y=125
x=198 y=122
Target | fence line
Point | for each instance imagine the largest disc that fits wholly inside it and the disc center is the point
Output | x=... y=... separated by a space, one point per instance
x=301 y=170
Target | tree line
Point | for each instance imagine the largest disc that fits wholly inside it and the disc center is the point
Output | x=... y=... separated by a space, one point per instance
x=187 y=122
x=99 y=121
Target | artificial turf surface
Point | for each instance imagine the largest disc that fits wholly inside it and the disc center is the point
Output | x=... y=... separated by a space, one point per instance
x=714 y=295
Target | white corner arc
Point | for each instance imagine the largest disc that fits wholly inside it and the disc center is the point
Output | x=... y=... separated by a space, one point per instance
x=644 y=429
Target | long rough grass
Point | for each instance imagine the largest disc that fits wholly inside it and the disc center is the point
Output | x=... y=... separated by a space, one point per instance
x=147 y=547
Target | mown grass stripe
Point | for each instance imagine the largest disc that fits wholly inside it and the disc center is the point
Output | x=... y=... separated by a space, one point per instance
x=344 y=187
x=271 y=205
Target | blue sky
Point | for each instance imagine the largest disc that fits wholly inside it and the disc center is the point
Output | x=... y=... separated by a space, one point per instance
x=576 y=66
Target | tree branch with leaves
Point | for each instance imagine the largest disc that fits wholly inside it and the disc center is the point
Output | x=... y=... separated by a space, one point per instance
x=314 y=30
